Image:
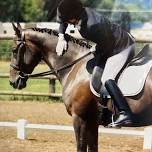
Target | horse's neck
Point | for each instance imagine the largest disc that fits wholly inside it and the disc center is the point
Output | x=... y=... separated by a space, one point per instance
x=73 y=53
x=48 y=47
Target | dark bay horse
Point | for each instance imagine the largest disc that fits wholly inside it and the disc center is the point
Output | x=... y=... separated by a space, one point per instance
x=32 y=45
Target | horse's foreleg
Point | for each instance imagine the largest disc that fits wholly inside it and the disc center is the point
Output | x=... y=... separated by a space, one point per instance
x=86 y=131
x=92 y=130
x=80 y=133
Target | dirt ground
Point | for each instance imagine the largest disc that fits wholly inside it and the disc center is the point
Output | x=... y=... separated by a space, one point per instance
x=53 y=141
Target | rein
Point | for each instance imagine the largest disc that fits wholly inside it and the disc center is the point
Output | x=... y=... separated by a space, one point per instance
x=22 y=74
x=59 y=69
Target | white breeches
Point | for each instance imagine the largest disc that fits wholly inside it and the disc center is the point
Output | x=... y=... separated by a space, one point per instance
x=115 y=63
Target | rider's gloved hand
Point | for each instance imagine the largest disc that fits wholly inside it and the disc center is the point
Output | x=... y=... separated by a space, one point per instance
x=62 y=45
x=93 y=49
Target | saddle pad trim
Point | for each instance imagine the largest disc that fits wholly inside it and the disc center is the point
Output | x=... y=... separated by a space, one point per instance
x=92 y=89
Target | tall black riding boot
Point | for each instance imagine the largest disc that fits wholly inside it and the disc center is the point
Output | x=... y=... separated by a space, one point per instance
x=124 y=118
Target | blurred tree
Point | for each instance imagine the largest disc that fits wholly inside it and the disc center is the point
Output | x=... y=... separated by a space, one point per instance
x=50 y=7
x=105 y=4
x=31 y=10
x=91 y=3
x=22 y=10
x=10 y=10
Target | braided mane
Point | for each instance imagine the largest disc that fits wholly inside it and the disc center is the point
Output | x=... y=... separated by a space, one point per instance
x=67 y=37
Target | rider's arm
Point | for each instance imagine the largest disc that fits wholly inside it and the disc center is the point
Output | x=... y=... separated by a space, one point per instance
x=62 y=44
x=62 y=28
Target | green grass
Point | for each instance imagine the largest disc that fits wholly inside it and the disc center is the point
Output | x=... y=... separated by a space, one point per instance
x=33 y=85
x=5 y=47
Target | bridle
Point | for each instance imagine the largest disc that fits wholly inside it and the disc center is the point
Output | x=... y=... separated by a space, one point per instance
x=20 y=53
x=21 y=47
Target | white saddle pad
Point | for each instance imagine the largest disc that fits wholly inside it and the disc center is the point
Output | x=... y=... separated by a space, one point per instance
x=132 y=80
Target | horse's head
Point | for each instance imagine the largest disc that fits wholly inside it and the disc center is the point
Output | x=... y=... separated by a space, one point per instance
x=25 y=56
x=33 y=44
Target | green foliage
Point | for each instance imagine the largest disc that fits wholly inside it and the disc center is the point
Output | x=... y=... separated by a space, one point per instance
x=5 y=49
x=22 y=10
x=10 y=10
x=100 y=4
x=105 y=4
x=32 y=10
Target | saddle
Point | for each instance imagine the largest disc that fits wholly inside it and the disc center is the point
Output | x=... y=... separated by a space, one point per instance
x=131 y=80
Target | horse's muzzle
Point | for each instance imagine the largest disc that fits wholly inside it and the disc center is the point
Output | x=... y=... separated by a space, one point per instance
x=19 y=83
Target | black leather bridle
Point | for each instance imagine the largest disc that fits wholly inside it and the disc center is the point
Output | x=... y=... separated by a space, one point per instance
x=20 y=54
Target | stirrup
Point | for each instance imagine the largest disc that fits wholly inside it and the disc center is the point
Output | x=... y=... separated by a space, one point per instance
x=112 y=124
x=119 y=123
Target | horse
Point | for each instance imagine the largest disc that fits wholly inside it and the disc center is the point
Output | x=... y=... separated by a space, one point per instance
x=32 y=45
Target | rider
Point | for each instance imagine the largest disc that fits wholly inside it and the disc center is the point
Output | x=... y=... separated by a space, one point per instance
x=114 y=48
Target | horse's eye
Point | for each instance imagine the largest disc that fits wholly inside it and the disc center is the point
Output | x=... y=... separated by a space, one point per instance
x=14 y=50
x=15 y=55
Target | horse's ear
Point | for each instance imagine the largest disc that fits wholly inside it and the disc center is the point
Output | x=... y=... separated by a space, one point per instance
x=19 y=26
x=17 y=30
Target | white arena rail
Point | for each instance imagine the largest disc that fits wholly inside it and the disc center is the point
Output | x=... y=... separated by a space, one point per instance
x=22 y=125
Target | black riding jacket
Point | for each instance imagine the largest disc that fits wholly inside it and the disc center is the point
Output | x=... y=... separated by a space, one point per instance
x=109 y=37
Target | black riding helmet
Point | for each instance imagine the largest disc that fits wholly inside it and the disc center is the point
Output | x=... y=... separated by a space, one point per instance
x=69 y=9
